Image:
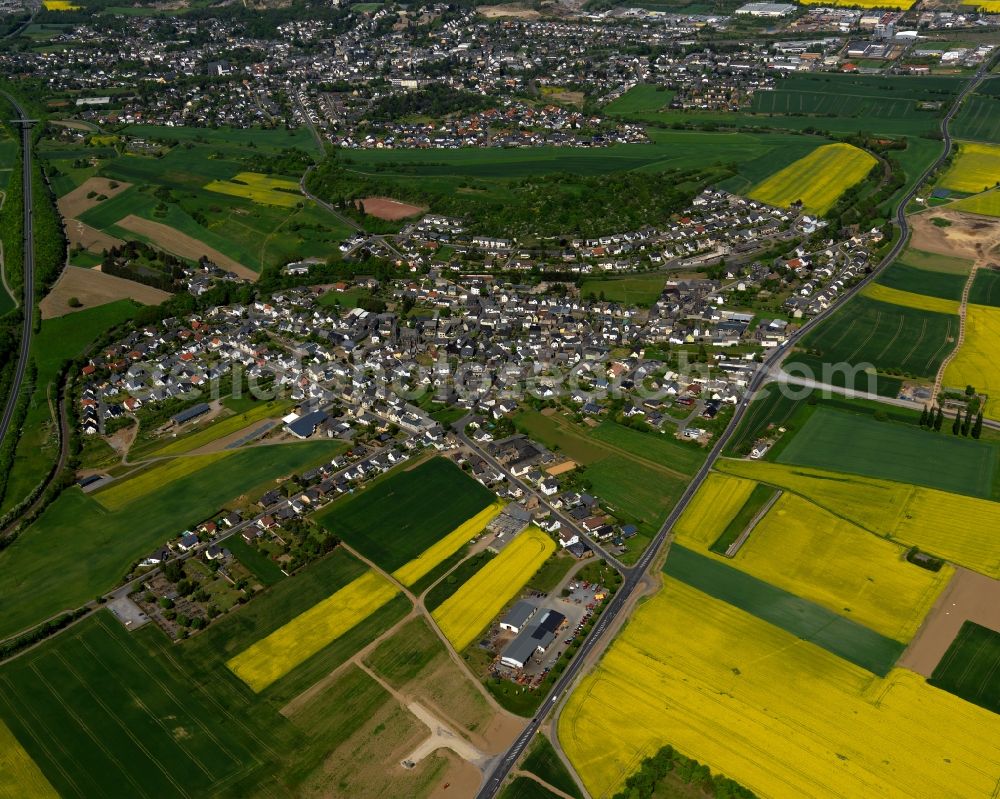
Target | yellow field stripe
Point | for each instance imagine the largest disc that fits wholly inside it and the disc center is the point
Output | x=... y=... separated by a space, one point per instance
x=817 y=179
x=410 y=572
x=122 y=492
x=780 y=716
x=714 y=506
x=259 y=188
x=922 y=302
x=292 y=644
x=20 y=777
x=975 y=363
x=469 y=610
x=976 y=168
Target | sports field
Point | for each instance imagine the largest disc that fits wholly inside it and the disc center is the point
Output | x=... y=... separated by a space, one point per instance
x=975 y=363
x=396 y=520
x=643 y=290
x=776 y=714
x=19 y=776
x=259 y=188
x=714 y=506
x=795 y=614
x=274 y=656
x=818 y=179
x=886 y=336
x=987 y=203
x=975 y=169
x=892 y=451
x=950 y=526
x=78 y=549
x=970 y=667
x=922 y=302
x=810 y=552
x=443 y=549
x=467 y=612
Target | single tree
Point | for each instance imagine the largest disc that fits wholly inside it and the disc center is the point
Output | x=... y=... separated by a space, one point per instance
x=939 y=419
x=923 y=417
x=977 y=428
x=957 y=424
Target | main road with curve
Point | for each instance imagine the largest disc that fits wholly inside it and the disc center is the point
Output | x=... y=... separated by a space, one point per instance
x=633 y=576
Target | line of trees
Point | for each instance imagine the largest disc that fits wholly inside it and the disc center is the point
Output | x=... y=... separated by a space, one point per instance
x=668 y=761
x=965 y=425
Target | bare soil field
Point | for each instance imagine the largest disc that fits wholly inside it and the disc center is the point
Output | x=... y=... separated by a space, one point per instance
x=561 y=468
x=76 y=202
x=91 y=239
x=967 y=235
x=508 y=10
x=970 y=596
x=173 y=241
x=93 y=287
x=387 y=208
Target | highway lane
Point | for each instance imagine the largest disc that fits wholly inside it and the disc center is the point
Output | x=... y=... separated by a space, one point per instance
x=28 y=301
x=494 y=780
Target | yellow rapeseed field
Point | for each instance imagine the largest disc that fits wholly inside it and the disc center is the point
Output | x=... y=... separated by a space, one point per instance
x=59 y=5
x=410 y=572
x=976 y=169
x=19 y=776
x=900 y=4
x=987 y=203
x=817 y=179
x=121 y=493
x=976 y=361
x=781 y=716
x=468 y=611
x=274 y=656
x=950 y=526
x=259 y=188
x=924 y=302
x=813 y=554
x=718 y=500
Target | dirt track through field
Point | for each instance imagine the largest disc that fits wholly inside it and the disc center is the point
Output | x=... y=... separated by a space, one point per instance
x=173 y=241
x=76 y=202
x=970 y=596
x=89 y=238
x=93 y=287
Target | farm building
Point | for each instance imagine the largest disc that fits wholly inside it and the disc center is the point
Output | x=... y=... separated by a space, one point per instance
x=305 y=426
x=517 y=616
x=191 y=413
x=537 y=637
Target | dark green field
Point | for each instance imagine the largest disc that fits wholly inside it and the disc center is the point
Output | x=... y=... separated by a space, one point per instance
x=641 y=98
x=77 y=549
x=979 y=118
x=157 y=733
x=986 y=288
x=971 y=667
x=526 y=788
x=770 y=409
x=394 y=521
x=542 y=761
x=868 y=380
x=643 y=290
x=758 y=498
x=856 y=444
x=278 y=139
x=807 y=620
x=450 y=584
x=657 y=447
x=263 y=568
x=947 y=285
x=890 y=337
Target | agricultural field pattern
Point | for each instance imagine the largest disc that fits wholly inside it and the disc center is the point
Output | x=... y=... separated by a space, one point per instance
x=575 y=400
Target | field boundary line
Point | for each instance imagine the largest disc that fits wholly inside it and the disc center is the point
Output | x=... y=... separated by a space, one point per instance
x=920 y=338
x=117 y=721
x=41 y=744
x=871 y=334
x=170 y=695
x=90 y=733
x=963 y=311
